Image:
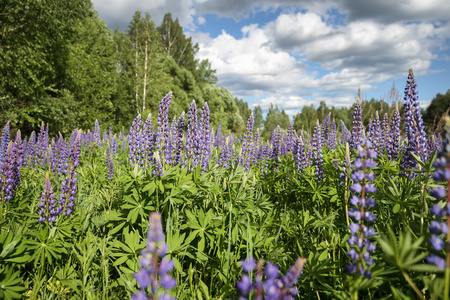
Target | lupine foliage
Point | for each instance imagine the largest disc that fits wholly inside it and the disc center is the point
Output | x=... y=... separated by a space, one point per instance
x=74 y=211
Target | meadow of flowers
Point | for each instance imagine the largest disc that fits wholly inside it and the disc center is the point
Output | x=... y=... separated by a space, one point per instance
x=180 y=210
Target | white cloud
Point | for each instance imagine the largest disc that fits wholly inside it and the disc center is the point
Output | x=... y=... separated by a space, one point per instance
x=249 y=65
x=358 y=55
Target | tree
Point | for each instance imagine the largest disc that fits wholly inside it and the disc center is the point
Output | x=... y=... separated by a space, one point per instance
x=275 y=118
x=91 y=73
x=34 y=50
x=258 y=117
x=176 y=44
x=438 y=107
x=146 y=46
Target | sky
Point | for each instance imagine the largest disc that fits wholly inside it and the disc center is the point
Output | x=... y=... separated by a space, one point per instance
x=293 y=53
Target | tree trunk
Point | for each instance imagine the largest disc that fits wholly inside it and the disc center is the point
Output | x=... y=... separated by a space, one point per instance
x=145 y=76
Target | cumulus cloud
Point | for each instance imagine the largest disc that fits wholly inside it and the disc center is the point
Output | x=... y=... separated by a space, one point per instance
x=276 y=57
x=367 y=45
x=248 y=65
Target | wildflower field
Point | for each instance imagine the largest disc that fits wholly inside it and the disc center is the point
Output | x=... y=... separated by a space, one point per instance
x=181 y=210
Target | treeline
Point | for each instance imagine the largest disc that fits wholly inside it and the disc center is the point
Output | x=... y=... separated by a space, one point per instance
x=61 y=65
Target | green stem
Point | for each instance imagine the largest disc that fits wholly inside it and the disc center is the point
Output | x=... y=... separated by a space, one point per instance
x=229 y=242
x=157 y=197
x=414 y=287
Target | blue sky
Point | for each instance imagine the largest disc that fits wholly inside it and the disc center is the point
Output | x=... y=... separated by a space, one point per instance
x=297 y=52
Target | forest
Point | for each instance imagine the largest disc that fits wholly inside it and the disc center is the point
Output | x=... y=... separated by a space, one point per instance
x=126 y=172
x=61 y=65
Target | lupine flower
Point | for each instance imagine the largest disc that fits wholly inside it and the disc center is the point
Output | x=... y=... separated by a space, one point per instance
x=109 y=162
x=247 y=146
x=148 y=139
x=134 y=142
x=325 y=126
x=177 y=140
x=358 y=129
x=256 y=153
x=10 y=165
x=376 y=133
x=276 y=144
x=317 y=151
x=62 y=153
x=439 y=239
x=393 y=146
x=5 y=140
x=225 y=155
x=265 y=158
x=157 y=164
x=192 y=138
x=299 y=154
x=345 y=133
x=415 y=130
x=41 y=147
x=218 y=140
x=331 y=142
x=384 y=133
x=47 y=205
x=69 y=184
x=290 y=137
x=154 y=267
x=163 y=127
x=275 y=286
x=359 y=241
x=96 y=133
x=205 y=138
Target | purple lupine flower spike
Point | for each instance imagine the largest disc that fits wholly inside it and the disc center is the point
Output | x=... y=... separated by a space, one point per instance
x=109 y=162
x=393 y=146
x=345 y=133
x=317 y=151
x=10 y=165
x=154 y=266
x=414 y=128
x=163 y=126
x=5 y=140
x=357 y=133
x=247 y=146
x=47 y=204
x=439 y=227
x=192 y=138
x=178 y=141
x=69 y=184
x=384 y=134
x=299 y=154
x=276 y=145
x=274 y=286
x=134 y=141
x=325 y=126
x=205 y=138
x=359 y=241
x=331 y=142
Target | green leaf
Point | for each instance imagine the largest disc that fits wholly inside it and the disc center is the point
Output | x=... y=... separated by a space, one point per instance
x=8 y=249
x=396 y=208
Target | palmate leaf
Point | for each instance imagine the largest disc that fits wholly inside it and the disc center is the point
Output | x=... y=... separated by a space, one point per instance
x=9 y=284
x=403 y=253
x=45 y=250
